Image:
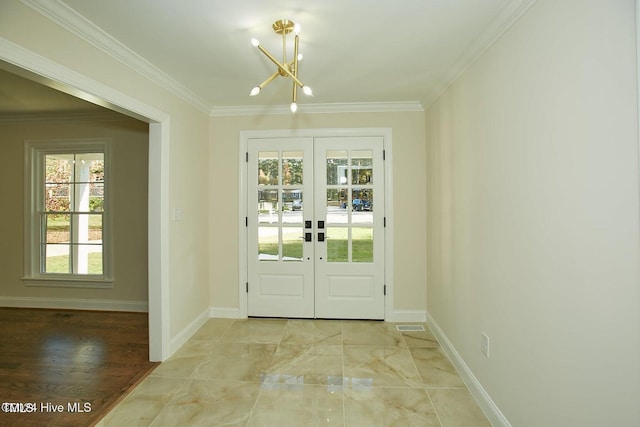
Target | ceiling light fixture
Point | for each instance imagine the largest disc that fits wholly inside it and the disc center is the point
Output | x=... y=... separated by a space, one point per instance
x=285 y=68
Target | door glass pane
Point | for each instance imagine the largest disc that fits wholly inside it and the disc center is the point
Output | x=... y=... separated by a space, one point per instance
x=362 y=167
x=268 y=168
x=267 y=243
x=292 y=207
x=362 y=205
x=361 y=199
x=337 y=244
x=292 y=168
x=57 y=259
x=362 y=244
x=292 y=239
x=337 y=167
x=337 y=212
x=267 y=206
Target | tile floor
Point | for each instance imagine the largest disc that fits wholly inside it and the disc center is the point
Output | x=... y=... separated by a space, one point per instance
x=276 y=372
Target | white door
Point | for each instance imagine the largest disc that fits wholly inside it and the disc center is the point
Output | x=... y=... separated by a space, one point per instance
x=280 y=248
x=349 y=268
x=316 y=228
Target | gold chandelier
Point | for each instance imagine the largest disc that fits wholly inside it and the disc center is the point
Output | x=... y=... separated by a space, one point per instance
x=285 y=68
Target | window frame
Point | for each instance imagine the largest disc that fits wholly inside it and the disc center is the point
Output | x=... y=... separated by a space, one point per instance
x=34 y=193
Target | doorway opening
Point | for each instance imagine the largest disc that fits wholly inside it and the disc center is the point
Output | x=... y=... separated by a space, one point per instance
x=27 y=64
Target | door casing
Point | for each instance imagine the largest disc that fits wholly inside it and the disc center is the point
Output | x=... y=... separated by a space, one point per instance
x=245 y=136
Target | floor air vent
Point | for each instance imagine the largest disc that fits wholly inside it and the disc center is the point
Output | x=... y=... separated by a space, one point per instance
x=409 y=328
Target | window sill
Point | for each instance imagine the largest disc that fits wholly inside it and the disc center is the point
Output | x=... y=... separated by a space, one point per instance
x=69 y=282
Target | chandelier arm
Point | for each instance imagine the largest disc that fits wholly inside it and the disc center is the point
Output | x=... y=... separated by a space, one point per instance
x=295 y=56
x=295 y=68
x=279 y=65
x=295 y=92
x=268 y=80
x=284 y=47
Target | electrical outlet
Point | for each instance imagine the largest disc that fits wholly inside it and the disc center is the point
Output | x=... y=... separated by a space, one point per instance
x=484 y=344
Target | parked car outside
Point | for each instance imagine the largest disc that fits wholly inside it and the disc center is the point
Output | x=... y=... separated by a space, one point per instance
x=361 y=205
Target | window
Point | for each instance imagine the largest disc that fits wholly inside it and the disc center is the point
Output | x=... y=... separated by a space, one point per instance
x=67 y=230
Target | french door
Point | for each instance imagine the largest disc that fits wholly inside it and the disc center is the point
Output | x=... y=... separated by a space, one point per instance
x=316 y=227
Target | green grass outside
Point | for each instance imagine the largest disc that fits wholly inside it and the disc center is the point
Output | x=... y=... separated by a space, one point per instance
x=337 y=246
x=60 y=264
x=61 y=221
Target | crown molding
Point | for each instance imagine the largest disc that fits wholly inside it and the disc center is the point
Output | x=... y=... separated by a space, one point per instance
x=42 y=70
x=509 y=14
x=75 y=23
x=350 y=107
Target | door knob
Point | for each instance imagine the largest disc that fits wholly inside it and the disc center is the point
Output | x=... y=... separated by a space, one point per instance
x=320 y=237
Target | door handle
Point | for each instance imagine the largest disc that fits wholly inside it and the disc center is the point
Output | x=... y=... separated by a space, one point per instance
x=308 y=237
x=321 y=237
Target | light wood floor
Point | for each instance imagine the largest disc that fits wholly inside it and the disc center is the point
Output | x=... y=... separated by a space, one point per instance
x=82 y=360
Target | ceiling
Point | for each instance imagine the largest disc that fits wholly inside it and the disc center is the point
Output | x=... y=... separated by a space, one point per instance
x=355 y=51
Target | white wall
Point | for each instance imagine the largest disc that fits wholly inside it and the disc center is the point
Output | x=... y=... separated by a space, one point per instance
x=533 y=218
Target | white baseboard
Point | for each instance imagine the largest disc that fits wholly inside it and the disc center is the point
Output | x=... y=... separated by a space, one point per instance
x=74 y=304
x=488 y=406
x=183 y=336
x=398 y=316
x=395 y=316
x=225 y=313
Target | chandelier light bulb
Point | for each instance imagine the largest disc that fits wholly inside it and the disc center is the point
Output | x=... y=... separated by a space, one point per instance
x=307 y=90
x=255 y=91
x=255 y=42
x=296 y=29
x=300 y=57
x=294 y=107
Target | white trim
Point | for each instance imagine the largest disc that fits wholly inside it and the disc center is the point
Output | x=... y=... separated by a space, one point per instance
x=509 y=14
x=243 y=261
x=410 y=316
x=637 y=4
x=225 y=313
x=69 y=81
x=74 y=304
x=77 y=24
x=389 y=228
x=84 y=282
x=35 y=150
x=158 y=238
x=385 y=133
x=59 y=77
x=185 y=334
x=488 y=406
x=344 y=107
